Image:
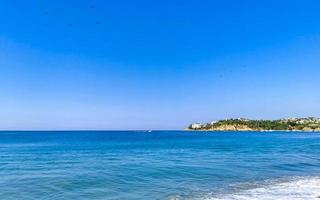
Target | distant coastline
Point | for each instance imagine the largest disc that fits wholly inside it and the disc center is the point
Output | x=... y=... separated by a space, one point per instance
x=309 y=124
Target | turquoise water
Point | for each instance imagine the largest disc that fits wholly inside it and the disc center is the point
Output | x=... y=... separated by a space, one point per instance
x=138 y=165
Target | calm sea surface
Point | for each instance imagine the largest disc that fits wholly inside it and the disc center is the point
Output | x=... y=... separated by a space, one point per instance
x=139 y=165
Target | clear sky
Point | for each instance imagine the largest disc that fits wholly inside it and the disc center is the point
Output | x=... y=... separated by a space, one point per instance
x=151 y=64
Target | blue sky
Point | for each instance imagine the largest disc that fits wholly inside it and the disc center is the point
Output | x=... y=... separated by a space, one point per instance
x=156 y=64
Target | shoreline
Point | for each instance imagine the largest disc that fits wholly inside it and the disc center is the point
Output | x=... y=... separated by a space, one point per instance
x=200 y=130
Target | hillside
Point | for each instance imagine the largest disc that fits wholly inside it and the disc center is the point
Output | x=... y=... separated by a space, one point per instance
x=241 y=124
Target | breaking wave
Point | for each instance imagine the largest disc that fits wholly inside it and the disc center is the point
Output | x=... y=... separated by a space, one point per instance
x=292 y=189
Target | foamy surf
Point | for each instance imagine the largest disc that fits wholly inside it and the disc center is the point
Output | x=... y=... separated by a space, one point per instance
x=294 y=189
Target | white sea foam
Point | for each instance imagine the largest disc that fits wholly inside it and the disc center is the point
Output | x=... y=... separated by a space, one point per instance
x=294 y=189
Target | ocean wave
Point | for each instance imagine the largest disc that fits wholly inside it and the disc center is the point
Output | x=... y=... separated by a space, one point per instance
x=292 y=189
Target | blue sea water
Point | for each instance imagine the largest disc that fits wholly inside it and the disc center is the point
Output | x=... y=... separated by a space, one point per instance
x=141 y=165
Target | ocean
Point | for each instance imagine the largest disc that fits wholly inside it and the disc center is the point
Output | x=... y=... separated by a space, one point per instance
x=159 y=165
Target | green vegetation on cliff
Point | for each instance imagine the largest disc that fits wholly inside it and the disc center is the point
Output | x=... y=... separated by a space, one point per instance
x=293 y=124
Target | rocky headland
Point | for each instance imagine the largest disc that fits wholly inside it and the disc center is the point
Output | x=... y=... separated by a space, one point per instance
x=242 y=124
